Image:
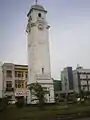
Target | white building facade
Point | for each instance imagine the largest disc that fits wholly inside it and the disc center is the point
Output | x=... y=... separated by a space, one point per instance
x=14 y=81
x=81 y=79
x=38 y=51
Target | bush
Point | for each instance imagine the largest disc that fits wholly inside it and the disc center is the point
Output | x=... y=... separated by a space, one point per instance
x=3 y=103
x=20 y=103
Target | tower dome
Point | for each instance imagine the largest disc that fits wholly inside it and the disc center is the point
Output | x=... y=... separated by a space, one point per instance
x=39 y=7
x=36 y=7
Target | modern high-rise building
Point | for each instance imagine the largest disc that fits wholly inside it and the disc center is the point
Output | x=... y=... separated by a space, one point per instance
x=67 y=80
x=75 y=80
x=14 y=80
x=38 y=51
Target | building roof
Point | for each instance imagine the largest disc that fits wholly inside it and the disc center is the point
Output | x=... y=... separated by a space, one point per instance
x=39 y=7
x=36 y=7
x=14 y=66
x=17 y=65
x=82 y=70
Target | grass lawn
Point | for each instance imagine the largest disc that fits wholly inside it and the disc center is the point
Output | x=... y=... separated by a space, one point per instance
x=49 y=112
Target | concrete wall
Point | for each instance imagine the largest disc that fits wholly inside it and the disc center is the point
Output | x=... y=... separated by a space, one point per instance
x=16 y=91
x=75 y=81
x=38 y=51
x=64 y=80
x=38 y=47
x=82 y=80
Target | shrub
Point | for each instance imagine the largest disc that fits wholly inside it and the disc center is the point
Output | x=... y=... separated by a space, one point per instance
x=3 y=103
x=39 y=94
x=20 y=103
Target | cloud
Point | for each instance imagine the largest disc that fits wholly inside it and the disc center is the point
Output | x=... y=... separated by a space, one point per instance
x=70 y=46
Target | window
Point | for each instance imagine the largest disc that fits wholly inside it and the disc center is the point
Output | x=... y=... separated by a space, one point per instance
x=22 y=85
x=42 y=70
x=30 y=18
x=26 y=75
x=16 y=85
x=19 y=83
x=26 y=84
x=9 y=73
x=18 y=74
x=39 y=15
x=15 y=73
x=8 y=84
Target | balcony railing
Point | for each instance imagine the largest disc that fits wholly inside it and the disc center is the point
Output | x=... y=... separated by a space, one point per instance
x=10 y=89
x=43 y=77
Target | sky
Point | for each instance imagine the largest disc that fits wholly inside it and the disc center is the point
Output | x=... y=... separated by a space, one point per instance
x=69 y=35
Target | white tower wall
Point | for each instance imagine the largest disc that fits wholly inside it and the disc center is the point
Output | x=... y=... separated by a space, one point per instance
x=38 y=50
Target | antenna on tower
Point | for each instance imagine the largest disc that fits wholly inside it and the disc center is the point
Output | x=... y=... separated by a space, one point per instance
x=36 y=2
x=78 y=65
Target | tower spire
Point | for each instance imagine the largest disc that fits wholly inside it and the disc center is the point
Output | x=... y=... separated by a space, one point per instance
x=36 y=1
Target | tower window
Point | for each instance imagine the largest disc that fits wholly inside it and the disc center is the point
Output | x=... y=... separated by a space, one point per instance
x=39 y=14
x=30 y=18
x=42 y=70
x=8 y=84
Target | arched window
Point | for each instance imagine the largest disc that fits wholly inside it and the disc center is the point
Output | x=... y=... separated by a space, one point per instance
x=39 y=15
x=42 y=70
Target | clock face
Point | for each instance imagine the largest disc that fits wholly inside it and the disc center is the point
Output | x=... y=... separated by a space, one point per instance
x=40 y=27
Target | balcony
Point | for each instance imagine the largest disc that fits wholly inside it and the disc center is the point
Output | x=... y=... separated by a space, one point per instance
x=9 y=89
x=19 y=78
x=43 y=77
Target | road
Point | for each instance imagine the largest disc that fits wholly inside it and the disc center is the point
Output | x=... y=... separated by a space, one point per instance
x=83 y=119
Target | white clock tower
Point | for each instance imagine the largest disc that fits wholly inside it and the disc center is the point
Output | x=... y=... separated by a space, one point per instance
x=38 y=51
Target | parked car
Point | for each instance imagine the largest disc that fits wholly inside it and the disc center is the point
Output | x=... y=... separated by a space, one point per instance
x=11 y=102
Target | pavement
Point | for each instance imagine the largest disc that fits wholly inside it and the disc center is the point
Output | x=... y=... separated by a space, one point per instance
x=83 y=119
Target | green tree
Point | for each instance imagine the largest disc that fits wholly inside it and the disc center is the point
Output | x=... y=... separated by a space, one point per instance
x=3 y=103
x=39 y=94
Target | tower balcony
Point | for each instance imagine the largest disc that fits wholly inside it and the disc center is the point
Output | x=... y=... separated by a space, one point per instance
x=40 y=20
x=43 y=76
